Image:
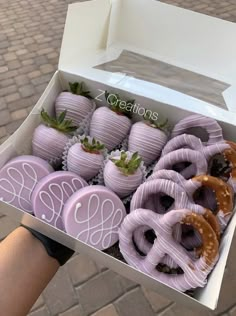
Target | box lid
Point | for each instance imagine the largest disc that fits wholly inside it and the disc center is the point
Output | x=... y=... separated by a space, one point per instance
x=98 y=31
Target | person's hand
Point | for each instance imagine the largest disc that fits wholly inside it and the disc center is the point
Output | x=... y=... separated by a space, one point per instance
x=54 y=249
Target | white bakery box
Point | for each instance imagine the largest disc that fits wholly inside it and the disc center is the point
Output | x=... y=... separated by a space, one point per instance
x=97 y=32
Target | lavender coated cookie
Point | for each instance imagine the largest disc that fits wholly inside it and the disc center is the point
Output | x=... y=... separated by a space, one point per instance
x=210 y=125
x=18 y=179
x=93 y=215
x=51 y=193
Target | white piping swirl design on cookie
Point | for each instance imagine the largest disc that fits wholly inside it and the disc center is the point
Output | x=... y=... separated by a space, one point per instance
x=19 y=195
x=64 y=191
x=113 y=229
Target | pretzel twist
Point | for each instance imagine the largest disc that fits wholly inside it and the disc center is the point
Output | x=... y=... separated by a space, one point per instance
x=195 y=271
x=213 y=129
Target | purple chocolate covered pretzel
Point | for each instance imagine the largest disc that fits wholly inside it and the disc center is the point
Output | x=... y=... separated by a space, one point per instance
x=184 y=155
x=213 y=129
x=145 y=197
x=195 y=270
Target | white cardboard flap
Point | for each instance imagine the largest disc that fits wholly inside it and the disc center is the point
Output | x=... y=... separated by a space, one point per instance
x=98 y=30
x=185 y=38
x=182 y=37
x=86 y=30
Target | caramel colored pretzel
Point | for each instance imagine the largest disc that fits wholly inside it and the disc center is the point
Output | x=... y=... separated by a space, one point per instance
x=146 y=196
x=193 y=242
x=195 y=271
x=232 y=144
x=223 y=192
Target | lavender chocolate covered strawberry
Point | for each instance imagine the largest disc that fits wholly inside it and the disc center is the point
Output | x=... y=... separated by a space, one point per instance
x=86 y=158
x=50 y=138
x=122 y=173
x=148 y=139
x=77 y=103
x=18 y=179
x=111 y=125
x=51 y=193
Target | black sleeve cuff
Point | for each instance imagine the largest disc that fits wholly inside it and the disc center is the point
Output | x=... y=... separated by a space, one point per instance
x=54 y=249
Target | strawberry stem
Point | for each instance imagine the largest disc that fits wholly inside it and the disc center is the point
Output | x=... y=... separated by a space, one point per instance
x=93 y=146
x=125 y=165
x=78 y=89
x=59 y=123
x=119 y=106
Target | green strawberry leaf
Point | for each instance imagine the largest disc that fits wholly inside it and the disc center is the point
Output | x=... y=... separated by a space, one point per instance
x=59 y=123
x=93 y=146
x=125 y=165
x=78 y=89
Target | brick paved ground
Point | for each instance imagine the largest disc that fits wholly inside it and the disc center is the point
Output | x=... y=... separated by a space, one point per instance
x=30 y=37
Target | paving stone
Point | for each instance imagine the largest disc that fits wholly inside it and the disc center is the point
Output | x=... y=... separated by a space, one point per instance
x=41 y=60
x=10 y=56
x=7 y=90
x=7 y=225
x=9 y=74
x=42 y=79
x=3 y=131
x=19 y=114
x=12 y=97
x=19 y=104
x=13 y=126
x=21 y=80
x=232 y=312
x=26 y=90
x=34 y=74
x=101 y=267
x=40 y=312
x=74 y=311
x=134 y=303
x=81 y=268
x=228 y=290
x=4 y=44
x=41 y=87
x=21 y=52
x=3 y=104
x=14 y=64
x=27 y=62
x=7 y=83
x=127 y=284
x=59 y=295
x=99 y=291
x=47 y=68
x=107 y=311
x=3 y=69
x=4 y=117
x=180 y=310
x=157 y=301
